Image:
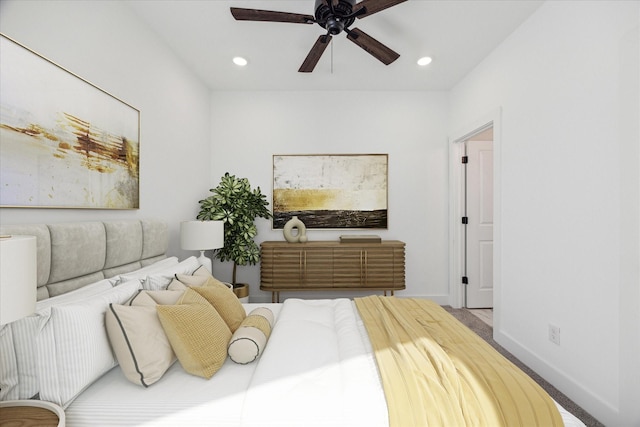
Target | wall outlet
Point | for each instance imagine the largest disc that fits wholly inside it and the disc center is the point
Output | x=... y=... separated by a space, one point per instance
x=554 y=334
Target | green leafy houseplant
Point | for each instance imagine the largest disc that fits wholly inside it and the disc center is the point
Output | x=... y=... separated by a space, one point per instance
x=237 y=205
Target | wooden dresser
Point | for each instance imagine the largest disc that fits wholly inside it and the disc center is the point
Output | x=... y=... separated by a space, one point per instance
x=330 y=265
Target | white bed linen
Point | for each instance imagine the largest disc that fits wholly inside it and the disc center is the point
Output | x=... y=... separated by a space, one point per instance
x=177 y=399
x=317 y=370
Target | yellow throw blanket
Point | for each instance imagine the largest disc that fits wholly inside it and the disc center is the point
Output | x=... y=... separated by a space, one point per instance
x=437 y=372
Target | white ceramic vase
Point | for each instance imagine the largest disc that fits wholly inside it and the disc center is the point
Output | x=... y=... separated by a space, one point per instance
x=301 y=231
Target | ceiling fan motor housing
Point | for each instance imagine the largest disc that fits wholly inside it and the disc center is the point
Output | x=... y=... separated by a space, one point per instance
x=334 y=21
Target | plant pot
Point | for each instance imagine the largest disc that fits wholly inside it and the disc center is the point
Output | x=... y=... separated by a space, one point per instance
x=242 y=292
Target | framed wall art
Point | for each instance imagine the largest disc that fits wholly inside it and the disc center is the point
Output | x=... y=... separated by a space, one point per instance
x=64 y=142
x=331 y=191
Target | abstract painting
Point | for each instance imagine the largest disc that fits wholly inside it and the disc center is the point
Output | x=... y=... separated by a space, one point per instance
x=64 y=143
x=331 y=190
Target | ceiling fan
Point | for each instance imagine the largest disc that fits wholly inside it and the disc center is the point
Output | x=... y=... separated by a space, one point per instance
x=335 y=16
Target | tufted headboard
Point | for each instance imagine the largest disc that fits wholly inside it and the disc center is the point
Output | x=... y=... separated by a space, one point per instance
x=75 y=254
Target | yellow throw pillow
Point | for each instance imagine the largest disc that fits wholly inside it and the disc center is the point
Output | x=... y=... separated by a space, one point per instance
x=197 y=333
x=249 y=340
x=219 y=295
x=225 y=302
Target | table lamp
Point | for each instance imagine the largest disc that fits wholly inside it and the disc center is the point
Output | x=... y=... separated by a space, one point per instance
x=18 y=294
x=18 y=277
x=202 y=236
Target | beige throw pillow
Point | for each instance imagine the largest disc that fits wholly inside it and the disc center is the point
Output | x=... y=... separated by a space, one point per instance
x=191 y=280
x=198 y=278
x=153 y=298
x=139 y=342
x=197 y=333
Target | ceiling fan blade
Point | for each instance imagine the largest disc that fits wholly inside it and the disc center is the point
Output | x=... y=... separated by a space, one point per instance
x=315 y=53
x=271 y=16
x=373 y=6
x=373 y=46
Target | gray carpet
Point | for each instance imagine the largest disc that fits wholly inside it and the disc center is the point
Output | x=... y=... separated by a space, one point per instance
x=486 y=333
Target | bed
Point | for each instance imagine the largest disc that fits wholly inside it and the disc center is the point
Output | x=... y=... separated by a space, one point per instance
x=112 y=343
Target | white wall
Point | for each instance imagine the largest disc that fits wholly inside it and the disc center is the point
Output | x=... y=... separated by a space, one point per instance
x=567 y=84
x=248 y=128
x=106 y=44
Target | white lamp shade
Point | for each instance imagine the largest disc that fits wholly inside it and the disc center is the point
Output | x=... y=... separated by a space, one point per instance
x=18 y=277
x=201 y=235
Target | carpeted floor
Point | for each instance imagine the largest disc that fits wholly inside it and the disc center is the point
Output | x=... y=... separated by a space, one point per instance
x=486 y=332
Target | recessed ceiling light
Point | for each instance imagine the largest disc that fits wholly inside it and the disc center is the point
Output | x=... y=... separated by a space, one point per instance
x=425 y=60
x=238 y=60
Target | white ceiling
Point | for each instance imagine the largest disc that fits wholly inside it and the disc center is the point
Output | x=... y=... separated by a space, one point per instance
x=456 y=34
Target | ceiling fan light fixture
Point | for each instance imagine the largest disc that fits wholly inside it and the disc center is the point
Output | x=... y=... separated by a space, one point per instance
x=334 y=26
x=240 y=61
x=425 y=60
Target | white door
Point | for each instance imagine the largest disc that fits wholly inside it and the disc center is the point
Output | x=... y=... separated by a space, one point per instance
x=479 y=212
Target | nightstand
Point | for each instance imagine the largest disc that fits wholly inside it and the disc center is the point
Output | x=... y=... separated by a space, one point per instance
x=26 y=413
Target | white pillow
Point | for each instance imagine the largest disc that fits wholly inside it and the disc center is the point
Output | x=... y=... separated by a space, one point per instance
x=18 y=369
x=143 y=272
x=159 y=280
x=73 y=349
x=9 y=385
x=79 y=294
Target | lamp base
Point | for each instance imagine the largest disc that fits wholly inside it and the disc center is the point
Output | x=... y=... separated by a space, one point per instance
x=206 y=262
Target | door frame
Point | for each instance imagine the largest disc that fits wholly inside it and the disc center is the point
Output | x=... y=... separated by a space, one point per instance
x=457 y=190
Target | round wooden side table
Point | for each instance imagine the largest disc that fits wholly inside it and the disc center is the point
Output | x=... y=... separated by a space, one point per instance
x=31 y=413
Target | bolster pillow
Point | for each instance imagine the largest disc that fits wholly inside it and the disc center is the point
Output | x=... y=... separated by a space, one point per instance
x=249 y=340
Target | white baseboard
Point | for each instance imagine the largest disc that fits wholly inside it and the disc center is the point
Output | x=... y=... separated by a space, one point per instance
x=602 y=410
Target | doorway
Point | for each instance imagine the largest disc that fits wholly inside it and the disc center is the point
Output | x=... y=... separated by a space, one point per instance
x=478 y=222
x=465 y=272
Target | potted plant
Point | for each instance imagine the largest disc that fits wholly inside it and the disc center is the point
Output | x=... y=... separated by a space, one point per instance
x=237 y=205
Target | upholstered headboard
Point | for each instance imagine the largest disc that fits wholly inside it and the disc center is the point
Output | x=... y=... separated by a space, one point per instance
x=75 y=254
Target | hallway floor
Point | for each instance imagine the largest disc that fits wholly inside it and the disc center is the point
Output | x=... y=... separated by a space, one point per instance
x=484 y=314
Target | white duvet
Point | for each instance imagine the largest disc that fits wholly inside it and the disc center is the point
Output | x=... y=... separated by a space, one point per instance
x=316 y=370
